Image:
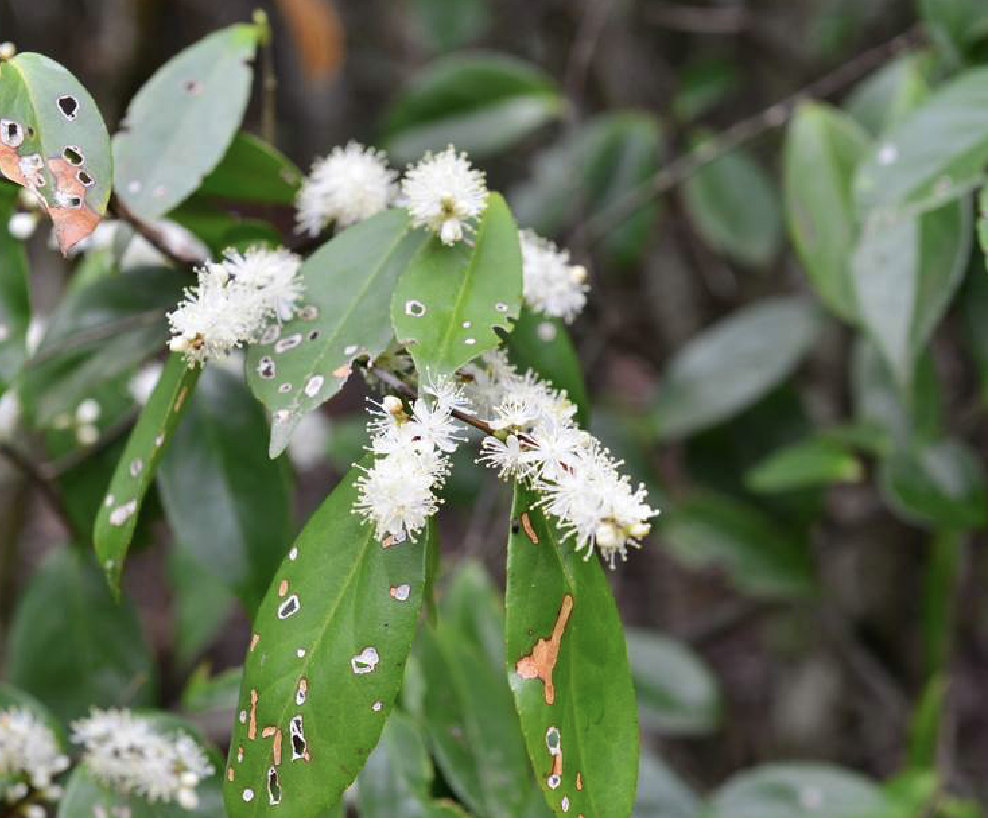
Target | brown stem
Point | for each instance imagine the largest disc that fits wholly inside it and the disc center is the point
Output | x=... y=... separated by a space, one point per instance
x=157 y=238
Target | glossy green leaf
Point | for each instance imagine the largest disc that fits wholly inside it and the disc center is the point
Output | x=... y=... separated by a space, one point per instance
x=118 y=515
x=588 y=174
x=816 y=461
x=796 y=790
x=677 y=694
x=734 y=206
x=471 y=723
x=180 y=124
x=884 y=98
x=822 y=150
x=759 y=556
x=569 y=672
x=72 y=646
x=482 y=103
x=939 y=149
x=349 y=282
x=251 y=170
x=733 y=363
x=53 y=141
x=661 y=794
x=397 y=779
x=85 y=796
x=940 y=484
x=905 y=272
x=15 y=301
x=225 y=500
x=543 y=344
x=450 y=300
x=326 y=662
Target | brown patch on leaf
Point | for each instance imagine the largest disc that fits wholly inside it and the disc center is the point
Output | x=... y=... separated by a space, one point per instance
x=252 y=723
x=9 y=166
x=180 y=399
x=540 y=663
x=579 y=781
x=73 y=222
x=253 y=641
x=342 y=372
x=229 y=774
x=283 y=587
x=276 y=749
x=526 y=523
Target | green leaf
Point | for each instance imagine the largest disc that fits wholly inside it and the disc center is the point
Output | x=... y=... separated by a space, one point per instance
x=85 y=797
x=450 y=300
x=939 y=149
x=796 y=790
x=72 y=646
x=702 y=84
x=543 y=344
x=661 y=794
x=569 y=671
x=54 y=142
x=253 y=171
x=472 y=726
x=349 y=282
x=397 y=779
x=483 y=103
x=822 y=150
x=816 y=461
x=327 y=660
x=883 y=99
x=677 y=694
x=589 y=172
x=973 y=302
x=15 y=300
x=940 y=484
x=924 y=727
x=472 y=606
x=905 y=272
x=118 y=515
x=180 y=124
x=955 y=26
x=448 y=24
x=731 y=364
x=212 y=694
x=734 y=207
x=225 y=500
x=760 y=557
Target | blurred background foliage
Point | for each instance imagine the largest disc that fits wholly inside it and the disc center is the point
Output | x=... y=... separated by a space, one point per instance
x=802 y=389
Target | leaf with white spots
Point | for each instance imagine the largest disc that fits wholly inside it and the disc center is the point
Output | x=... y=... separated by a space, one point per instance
x=180 y=124
x=118 y=515
x=348 y=286
x=53 y=142
x=226 y=502
x=451 y=299
x=569 y=673
x=325 y=664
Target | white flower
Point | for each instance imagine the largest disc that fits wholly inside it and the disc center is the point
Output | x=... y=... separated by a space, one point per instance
x=348 y=186
x=551 y=284
x=397 y=493
x=445 y=194
x=29 y=755
x=233 y=301
x=129 y=753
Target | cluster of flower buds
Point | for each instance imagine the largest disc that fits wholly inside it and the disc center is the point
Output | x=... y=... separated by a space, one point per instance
x=30 y=760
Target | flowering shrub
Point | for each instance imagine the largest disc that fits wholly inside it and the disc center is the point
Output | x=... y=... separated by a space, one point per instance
x=220 y=299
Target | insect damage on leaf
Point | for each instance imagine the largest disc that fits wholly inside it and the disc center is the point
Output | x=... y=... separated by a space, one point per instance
x=53 y=143
x=540 y=663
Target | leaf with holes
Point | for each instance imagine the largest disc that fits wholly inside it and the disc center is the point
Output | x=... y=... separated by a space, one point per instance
x=226 y=502
x=569 y=672
x=181 y=123
x=326 y=662
x=118 y=515
x=451 y=299
x=53 y=142
x=347 y=315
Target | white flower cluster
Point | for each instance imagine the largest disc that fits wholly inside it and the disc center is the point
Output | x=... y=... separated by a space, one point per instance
x=537 y=441
x=348 y=186
x=30 y=759
x=232 y=302
x=398 y=492
x=551 y=284
x=129 y=753
x=443 y=193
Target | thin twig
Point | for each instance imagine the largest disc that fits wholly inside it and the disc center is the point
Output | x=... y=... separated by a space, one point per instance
x=740 y=133
x=396 y=383
x=157 y=238
x=582 y=52
x=42 y=482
